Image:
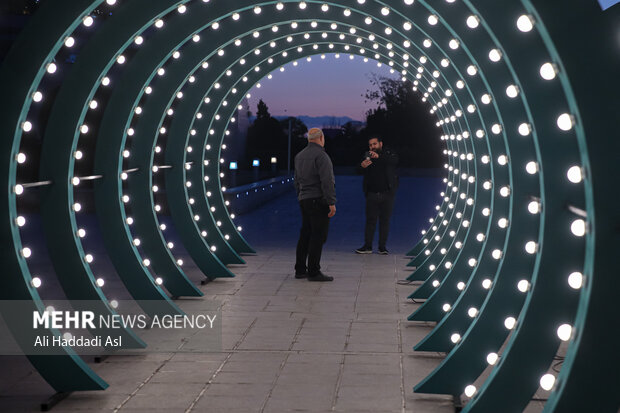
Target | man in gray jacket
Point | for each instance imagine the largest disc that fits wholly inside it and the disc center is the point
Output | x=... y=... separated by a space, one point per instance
x=316 y=192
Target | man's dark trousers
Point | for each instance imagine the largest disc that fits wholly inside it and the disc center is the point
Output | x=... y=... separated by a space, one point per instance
x=313 y=234
x=379 y=207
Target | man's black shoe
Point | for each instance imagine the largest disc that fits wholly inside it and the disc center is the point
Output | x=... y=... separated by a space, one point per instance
x=383 y=251
x=364 y=250
x=320 y=277
x=299 y=274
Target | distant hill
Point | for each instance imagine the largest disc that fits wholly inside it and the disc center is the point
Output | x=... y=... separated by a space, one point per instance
x=320 y=121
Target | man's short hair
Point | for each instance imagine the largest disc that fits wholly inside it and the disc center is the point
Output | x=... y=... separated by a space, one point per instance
x=375 y=137
x=315 y=134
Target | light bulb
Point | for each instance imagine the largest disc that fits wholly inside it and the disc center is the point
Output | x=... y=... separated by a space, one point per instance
x=470 y=390
x=100 y=282
x=492 y=358
x=473 y=22
x=565 y=331
x=548 y=71
x=512 y=91
x=523 y=286
x=472 y=312
x=533 y=207
x=510 y=323
x=531 y=247
x=455 y=338
x=578 y=227
x=574 y=174
x=575 y=280
x=525 y=23
x=565 y=122
x=525 y=129
x=547 y=382
x=36 y=282
x=495 y=55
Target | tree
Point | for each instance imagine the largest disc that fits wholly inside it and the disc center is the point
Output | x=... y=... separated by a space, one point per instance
x=403 y=123
x=268 y=137
x=298 y=140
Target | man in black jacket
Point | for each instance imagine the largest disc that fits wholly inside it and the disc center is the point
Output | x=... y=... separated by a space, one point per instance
x=380 y=183
x=316 y=192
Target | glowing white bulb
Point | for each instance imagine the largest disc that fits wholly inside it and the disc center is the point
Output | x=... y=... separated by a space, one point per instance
x=547 y=382
x=512 y=91
x=69 y=41
x=20 y=221
x=495 y=55
x=492 y=358
x=531 y=247
x=523 y=286
x=446 y=307
x=26 y=252
x=548 y=71
x=470 y=390
x=473 y=22
x=565 y=122
x=88 y=21
x=36 y=282
x=88 y=258
x=159 y=281
x=578 y=227
x=100 y=282
x=455 y=338
x=525 y=129
x=486 y=284
x=565 y=331
x=496 y=254
x=574 y=174
x=433 y=20
x=525 y=23
x=510 y=323
x=575 y=280
x=472 y=312
x=533 y=207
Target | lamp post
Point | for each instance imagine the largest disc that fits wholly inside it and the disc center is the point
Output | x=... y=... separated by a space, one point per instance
x=290 y=127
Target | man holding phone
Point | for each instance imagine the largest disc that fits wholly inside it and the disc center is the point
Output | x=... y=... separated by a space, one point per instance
x=379 y=185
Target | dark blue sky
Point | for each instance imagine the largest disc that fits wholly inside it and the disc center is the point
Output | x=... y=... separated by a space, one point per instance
x=329 y=87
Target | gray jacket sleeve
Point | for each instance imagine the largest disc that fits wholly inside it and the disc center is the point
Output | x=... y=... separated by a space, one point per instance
x=328 y=182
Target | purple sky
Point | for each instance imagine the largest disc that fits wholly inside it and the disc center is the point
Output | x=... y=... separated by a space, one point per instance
x=330 y=87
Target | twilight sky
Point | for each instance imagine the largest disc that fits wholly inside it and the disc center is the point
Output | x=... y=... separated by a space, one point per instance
x=329 y=87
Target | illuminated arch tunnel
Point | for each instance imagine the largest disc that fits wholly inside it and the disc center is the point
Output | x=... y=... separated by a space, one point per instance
x=519 y=257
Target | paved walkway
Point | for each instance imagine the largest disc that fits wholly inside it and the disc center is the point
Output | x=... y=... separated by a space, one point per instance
x=288 y=345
